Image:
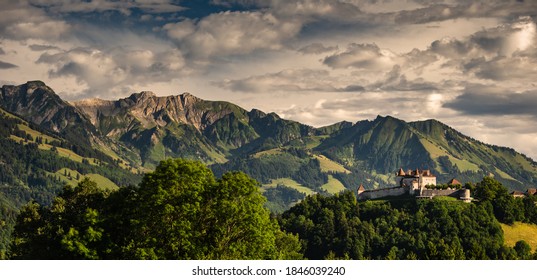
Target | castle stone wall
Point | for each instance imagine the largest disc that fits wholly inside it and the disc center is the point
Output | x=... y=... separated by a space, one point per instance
x=449 y=192
x=373 y=194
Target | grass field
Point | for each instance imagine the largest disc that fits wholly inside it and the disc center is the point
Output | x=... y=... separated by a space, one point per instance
x=436 y=152
x=35 y=133
x=520 y=231
x=275 y=151
x=328 y=165
x=290 y=183
x=504 y=175
x=102 y=182
x=333 y=186
x=69 y=176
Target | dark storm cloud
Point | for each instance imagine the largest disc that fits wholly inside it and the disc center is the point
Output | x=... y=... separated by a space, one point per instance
x=488 y=100
x=7 y=65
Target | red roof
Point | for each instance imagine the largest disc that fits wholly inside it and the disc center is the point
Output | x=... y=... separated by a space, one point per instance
x=454 y=182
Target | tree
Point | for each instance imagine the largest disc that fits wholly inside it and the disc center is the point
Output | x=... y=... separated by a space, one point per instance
x=523 y=250
x=179 y=211
x=69 y=229
x=185 y=213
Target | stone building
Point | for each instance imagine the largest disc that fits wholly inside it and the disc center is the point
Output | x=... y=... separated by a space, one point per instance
x=415 y=179
x=417 y=183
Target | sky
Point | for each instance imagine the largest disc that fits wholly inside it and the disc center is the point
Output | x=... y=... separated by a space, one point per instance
x=469 y=64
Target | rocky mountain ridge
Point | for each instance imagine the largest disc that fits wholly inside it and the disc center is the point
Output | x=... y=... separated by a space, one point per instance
x=143 y=129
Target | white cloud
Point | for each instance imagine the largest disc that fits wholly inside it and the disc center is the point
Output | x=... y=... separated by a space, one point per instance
x=110 y=73
x=21 y=21
x=40 y=30
x=363 y=56
x=232 y=33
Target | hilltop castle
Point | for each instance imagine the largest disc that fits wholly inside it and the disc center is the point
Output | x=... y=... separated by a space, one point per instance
x=418 y=183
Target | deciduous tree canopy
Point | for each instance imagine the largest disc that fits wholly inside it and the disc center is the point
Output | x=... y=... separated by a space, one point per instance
x=179 y=211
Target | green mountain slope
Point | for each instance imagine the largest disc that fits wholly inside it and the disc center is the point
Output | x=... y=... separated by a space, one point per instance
x=137 y=132
x=385 y=144
x=33 y=166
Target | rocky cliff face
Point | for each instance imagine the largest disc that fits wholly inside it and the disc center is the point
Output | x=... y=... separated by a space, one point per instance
x=150 y=110
x=210 y=129
x=38 y=103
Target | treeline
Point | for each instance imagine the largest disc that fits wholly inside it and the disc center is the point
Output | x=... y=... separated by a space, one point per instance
x=27 y=173
x=507 y=208
x=179 y=211
x=9 y=126
x=182 y=211
x=27 y=166
x=295 y=165
x=281 y=198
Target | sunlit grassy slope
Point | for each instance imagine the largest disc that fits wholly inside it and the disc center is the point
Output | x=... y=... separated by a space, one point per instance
x=520 y=231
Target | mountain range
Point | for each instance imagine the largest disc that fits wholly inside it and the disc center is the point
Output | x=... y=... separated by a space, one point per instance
x=50 y=142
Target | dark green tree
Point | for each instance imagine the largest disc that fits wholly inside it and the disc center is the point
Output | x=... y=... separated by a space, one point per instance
x=185 y=213
x=69 y=229
x=523 y=250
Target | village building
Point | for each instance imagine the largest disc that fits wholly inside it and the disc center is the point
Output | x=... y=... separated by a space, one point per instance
x=454 y=182
x=417 y=183
x=517 y=194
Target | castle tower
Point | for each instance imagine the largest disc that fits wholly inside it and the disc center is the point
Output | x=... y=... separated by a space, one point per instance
x=399 y=177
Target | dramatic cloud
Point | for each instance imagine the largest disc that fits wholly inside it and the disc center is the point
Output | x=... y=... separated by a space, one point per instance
x=298 y=80
x=317 y=9
x=396 y=81
x=435 y=11
x=231 y=33
x=317 y=48
x=20 y=21
x=102 y=71
x=362 y=56
x=493 y=100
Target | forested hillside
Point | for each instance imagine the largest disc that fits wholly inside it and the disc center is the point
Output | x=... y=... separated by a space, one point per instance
x=181 y=211
x=405 y=228
x=34 y=165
